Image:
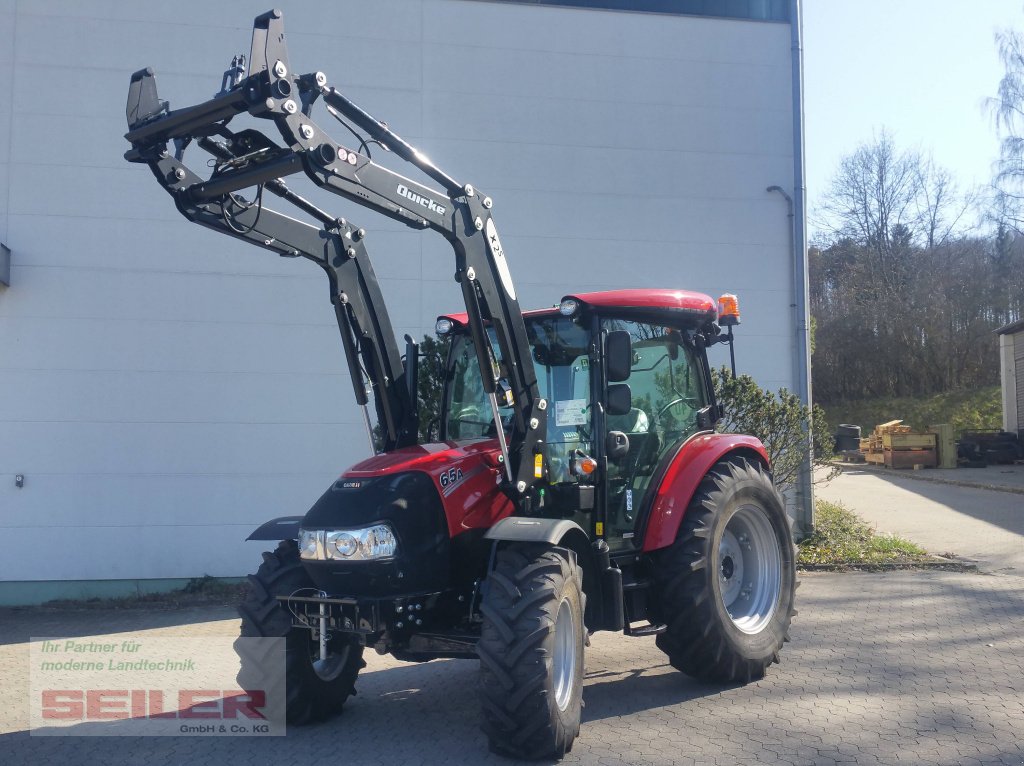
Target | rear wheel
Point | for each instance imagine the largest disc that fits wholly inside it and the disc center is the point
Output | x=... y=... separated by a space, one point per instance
x=725 y=588
x=315 y=689
x=531 y=652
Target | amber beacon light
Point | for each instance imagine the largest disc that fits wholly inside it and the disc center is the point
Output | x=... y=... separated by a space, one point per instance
x=728 y=310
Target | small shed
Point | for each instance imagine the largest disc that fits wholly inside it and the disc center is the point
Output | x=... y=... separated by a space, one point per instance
x=1011 y=374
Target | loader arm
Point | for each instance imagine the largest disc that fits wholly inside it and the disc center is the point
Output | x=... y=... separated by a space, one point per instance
x=339 y=249
x=458 y=212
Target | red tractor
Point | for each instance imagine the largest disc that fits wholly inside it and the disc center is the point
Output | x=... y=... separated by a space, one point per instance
x=576 y=483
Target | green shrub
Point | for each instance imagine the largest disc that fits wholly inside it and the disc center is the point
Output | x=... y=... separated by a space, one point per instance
x=780 y=420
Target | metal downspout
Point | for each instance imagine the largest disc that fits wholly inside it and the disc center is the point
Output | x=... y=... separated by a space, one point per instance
x=802 y=361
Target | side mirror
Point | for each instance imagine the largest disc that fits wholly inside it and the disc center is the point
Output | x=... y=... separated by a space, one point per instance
x=708 y=416
x=620 y=399
x=618 y=356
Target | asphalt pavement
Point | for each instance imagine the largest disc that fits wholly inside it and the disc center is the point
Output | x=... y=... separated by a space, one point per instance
x=981 y=525
x=907 y=667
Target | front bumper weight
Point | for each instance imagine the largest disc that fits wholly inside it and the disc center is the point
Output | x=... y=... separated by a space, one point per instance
x=346 y=615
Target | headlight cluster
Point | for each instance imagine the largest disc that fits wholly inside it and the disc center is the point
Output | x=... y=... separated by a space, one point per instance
x=369 y=544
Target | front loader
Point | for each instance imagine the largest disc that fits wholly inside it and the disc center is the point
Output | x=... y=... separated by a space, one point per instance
x=577 y=483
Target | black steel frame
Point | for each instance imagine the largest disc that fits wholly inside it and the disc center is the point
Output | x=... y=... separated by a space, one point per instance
x=457 y=211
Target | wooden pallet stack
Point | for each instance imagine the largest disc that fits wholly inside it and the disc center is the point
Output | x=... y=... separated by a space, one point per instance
x=895 y=445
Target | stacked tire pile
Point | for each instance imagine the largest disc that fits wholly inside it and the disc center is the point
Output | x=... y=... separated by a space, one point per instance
x=848 y=442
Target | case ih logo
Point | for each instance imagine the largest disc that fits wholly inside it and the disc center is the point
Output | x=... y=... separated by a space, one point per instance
x=429 y=204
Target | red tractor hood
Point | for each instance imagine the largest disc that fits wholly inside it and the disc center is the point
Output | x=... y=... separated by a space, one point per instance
x=466 y=475
x=429 y=458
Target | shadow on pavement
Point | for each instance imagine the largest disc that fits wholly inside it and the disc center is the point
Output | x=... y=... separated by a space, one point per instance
x=915 y=664
x=641 y=689
x=19 y=624
x=427 y=710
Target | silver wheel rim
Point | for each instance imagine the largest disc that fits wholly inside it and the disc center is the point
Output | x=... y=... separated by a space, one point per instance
x=563 y=658
x=330 y=668
x=750 y=569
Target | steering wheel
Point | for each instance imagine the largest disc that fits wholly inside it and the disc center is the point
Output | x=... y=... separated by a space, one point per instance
x=689 y=401
x=472 y=416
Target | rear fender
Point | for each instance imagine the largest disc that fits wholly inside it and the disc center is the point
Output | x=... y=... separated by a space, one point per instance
x=283 y=528
x=682 y=477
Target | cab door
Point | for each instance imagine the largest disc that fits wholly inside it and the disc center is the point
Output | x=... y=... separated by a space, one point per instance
x=667 y=390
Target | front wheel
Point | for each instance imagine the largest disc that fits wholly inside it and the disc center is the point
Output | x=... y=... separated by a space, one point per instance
x=315 y=688
x=725 y=588
x=531 y=652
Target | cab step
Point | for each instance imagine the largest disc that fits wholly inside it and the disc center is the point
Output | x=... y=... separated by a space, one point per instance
x=645 y=630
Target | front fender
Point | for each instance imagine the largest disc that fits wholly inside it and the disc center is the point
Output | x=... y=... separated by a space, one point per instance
x=682 y=477
x=529 y=530
x=283 y=528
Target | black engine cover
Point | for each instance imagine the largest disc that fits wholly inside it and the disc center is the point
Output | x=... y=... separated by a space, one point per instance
x=408 y=502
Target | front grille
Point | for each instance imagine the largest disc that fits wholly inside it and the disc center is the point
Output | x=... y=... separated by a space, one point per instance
x=343 y=614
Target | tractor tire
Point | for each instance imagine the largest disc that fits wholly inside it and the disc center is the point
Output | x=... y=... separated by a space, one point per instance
x=531 y=652
x=725 y=588
x=314 y=689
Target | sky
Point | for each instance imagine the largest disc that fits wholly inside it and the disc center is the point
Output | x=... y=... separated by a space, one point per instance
x=920 y=69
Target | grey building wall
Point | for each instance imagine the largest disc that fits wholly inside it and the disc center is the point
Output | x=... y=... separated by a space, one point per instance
x=164 y=389
x=1011 y=374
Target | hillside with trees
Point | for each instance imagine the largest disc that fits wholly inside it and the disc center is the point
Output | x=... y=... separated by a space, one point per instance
x=910 y=276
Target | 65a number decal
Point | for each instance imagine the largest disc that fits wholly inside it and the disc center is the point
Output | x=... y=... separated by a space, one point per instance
x=451 y=477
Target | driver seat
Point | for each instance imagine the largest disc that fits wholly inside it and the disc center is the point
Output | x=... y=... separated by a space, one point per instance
x=633 y=422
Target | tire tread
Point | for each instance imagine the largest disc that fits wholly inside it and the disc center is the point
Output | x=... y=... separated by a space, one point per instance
x=696 y=640
x=513 y=674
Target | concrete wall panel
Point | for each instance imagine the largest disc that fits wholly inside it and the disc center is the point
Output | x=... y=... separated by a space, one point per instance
x=165 y=389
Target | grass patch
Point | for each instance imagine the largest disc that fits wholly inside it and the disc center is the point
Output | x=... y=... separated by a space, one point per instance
x=974 y=409
x=841 y=538
x=199 y=591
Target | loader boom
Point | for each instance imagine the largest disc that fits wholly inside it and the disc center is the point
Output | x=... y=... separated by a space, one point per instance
x=458 y=212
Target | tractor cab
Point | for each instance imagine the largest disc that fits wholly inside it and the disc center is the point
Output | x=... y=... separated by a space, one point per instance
x=627 y=382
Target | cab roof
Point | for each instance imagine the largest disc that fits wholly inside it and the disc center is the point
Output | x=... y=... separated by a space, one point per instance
x=696 y=305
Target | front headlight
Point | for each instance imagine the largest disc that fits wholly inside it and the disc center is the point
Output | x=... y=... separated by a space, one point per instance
x=341 y=545
x=369 y=544
x=310 y=544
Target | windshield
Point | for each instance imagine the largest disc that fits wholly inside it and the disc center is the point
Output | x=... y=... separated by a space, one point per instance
x=562 y=364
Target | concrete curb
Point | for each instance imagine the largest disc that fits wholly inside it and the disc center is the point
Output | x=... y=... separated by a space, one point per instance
x=940 y=566
x=918 y=476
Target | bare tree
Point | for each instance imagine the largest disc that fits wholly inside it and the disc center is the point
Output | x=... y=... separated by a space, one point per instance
x=1008 y=110
x=905 y=300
